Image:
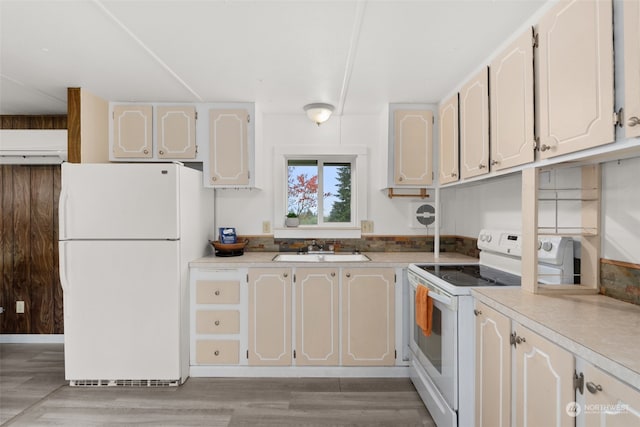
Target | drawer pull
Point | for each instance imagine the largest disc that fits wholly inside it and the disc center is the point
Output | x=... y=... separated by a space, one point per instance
x=217 y=293
x=477 y=312
x=216 y=353
x=217 y=323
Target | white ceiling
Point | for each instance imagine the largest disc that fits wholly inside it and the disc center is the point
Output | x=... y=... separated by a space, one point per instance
x=357 y=55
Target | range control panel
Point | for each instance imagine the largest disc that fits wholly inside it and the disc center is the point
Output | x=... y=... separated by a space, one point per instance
x=551 y=249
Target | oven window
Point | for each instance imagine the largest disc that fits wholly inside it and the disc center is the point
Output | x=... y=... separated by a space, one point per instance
x=431 y=346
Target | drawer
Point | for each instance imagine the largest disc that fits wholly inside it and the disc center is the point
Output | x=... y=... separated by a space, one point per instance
x=217 y=292
x=217 y=322
x=217 y=352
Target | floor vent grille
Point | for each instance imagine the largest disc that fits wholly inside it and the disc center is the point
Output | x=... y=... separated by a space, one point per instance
x=124 y=383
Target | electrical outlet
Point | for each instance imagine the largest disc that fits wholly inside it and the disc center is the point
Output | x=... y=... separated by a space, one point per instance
x=19 y=307
x=266 y=227
x=366 y=226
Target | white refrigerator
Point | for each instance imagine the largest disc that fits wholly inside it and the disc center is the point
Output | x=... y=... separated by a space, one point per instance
x=127 y=233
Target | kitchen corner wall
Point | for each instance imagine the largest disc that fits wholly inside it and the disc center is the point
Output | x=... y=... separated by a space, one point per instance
x=247 y=209
x=496 y=203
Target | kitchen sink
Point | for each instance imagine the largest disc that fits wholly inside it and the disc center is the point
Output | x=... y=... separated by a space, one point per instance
x=321 y=258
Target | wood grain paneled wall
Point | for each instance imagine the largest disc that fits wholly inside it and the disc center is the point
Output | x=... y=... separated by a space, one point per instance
x=29 y=239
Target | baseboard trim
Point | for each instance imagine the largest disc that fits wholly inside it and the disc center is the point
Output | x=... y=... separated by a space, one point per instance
x=31 y=338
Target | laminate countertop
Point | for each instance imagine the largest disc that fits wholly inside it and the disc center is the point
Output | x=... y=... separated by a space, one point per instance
x=600 y=330
x=378 y=259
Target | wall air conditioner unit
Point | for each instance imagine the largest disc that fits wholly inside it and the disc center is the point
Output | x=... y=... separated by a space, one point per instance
x=33 y=146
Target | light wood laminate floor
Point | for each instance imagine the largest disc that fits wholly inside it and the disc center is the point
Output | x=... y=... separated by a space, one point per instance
x=33 y=392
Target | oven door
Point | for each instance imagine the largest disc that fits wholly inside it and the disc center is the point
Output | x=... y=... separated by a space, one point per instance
x=437 y=353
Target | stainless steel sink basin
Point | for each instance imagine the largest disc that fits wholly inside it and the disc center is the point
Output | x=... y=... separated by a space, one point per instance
x=321 y=258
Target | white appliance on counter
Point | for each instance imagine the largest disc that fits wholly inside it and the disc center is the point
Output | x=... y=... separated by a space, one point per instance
x=443 y=364
x=127 y=233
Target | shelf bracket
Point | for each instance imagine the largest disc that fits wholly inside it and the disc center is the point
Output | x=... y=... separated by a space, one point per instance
x=423 y=194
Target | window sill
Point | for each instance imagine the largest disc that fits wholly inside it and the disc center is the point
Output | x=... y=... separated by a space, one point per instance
x=317 y=233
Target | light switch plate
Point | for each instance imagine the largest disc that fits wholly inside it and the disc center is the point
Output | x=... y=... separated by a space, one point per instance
x=366 y=226
x=266 y=227
x=19 y=306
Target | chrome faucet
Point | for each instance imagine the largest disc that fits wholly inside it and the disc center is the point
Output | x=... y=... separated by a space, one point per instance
x=318 y=248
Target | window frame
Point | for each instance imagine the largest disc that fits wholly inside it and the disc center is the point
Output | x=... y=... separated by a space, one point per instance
x=356 y=155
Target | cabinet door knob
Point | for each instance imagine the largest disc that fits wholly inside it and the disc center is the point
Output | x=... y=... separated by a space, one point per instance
x=146 y=151
x=213 y=178
x=593 y=388
x=333 y=274
x=285 y=275
x=161 y=152
x=477 y=312
x=216 y=353
x=633 y=121
x=348 y=274
x=400 y=179
x=481 y=166
x=453 y=175
x=494 y=162
x=217 y=323
x=545 y=147
x=217 y=292
x=520 y=340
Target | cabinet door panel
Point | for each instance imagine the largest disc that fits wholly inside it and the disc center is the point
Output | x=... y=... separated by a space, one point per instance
x=449 y=142
x=368 y=319
x=132 y=131
x=474 y=126
x=317 y=328
x=544 y=381
x=511 y=94
x=615 y=404
x=228 y=147
x=269 y=316
x=493 y=368
x=631 y=68
x=574 y=71
x=176 y=132
x=413 y=147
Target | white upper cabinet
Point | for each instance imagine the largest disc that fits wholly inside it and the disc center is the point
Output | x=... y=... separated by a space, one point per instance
x=413 y=147
x=574 y=77
x=449 y=141
x=228 y=162
x=511 y=95
x=474 y=126
x=176 y=132
x=631 y=24
x=132 y=131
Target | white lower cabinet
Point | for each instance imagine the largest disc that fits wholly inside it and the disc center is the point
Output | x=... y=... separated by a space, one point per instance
x=606 y=401
x=368 y=316
x=270 y=316
x=317 y=316
x=523 y=379
x=286 y=316
x=216 y=324
x=543 y=375
x=493 y=368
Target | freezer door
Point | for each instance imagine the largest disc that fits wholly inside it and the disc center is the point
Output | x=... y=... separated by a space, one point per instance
x=119 y=201
x=121 y=310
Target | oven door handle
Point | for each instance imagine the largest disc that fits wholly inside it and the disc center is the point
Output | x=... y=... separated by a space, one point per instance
x=441 y=298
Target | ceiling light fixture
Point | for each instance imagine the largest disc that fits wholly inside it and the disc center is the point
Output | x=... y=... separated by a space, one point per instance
x=318 y=113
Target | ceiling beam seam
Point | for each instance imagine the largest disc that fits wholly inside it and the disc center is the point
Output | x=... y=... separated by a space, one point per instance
x=146 y=48
x=33 y=89
x=351 y=55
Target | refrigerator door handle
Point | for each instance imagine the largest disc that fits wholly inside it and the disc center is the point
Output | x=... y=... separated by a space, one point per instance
x=62 y=212
x=64 y=279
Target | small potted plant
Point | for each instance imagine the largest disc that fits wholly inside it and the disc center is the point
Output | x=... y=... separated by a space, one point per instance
x=292 y=220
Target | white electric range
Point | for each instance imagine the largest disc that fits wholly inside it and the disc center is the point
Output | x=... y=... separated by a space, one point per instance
x=442 y=364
